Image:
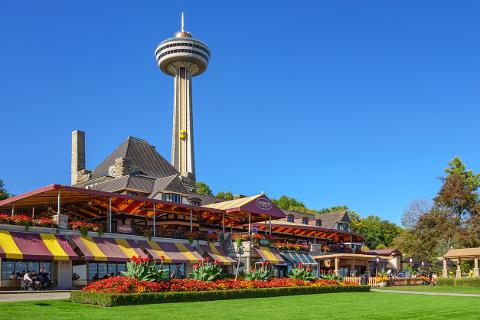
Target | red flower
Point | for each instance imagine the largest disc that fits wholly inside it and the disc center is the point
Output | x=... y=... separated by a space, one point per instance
x=207 y=259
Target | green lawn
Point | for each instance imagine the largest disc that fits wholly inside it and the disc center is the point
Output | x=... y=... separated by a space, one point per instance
x=368 y=305
x=435 y=289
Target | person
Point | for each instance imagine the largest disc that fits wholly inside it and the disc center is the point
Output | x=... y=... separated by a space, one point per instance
x=95 y=277
x=43 y=276
x=27 y=281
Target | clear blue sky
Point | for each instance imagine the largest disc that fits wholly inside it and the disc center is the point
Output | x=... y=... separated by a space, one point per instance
x=360 y=103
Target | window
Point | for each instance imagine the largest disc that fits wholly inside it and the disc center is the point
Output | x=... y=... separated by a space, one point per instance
x=290 y=218
x=342 y=226
x=304 y=220
x=195 y=202
x=318 y=223
x=130 y=193
x=13 y=269
x=173 y=197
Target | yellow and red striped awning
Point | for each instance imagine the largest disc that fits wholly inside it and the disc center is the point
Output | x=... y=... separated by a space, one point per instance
x=31 y=246
x=107 y=249
x=269 y=255
x=171 y=252
x=217 y=253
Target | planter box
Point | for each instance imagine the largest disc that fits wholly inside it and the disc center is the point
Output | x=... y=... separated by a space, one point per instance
x=110 y=300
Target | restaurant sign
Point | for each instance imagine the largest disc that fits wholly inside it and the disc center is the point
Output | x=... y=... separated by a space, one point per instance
x=123 y=228
x=264 y=204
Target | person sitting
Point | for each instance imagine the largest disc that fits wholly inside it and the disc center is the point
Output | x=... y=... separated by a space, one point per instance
x=27 y=281
x=43 y=277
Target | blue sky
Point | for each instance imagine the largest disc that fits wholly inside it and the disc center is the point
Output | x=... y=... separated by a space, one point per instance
x=360 y=103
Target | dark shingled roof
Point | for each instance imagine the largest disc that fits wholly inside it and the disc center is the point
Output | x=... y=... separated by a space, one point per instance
x=137 y=183
x=204 y=198
x=143 y=155
x=330 y=219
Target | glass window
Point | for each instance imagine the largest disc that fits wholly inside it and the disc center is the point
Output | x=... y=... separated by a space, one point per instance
x=290 y=218
x=47 y=265
x=21 y=266
x=121 y=267
x=304 y=220
x=112 y=268
x=92 y=270
x=102 y=269
x=33 y=266
x=8 y=270
x=318 y=223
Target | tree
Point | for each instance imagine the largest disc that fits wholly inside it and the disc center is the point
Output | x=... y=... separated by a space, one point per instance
x=414 y=211
x=459 y=190
x=203 y=188
x=224 y=195
x=376 y=231
x=228 y=195
x=3 y=191
x=292 y=204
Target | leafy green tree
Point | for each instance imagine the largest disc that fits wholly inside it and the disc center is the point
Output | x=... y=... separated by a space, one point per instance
x=292 y=204
x=220 y=195
x=459 y=190
x=203 y=188
x=228 y=195
x=3 y=191
x=376 y=231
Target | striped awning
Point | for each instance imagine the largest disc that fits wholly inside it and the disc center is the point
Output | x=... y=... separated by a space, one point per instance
x=171 y=252
x=217 y=253
x=107 y=249
x=43 y=246
x=269 y=255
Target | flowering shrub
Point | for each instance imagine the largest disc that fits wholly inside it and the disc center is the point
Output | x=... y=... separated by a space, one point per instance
x=261 y=273
x=145 y=269
x=132 y=285
x=212 y=236
x=292 y=246
x=303 y=273
x=84 y=227
x=22 y=220
x=44 y=222
x=5 y=218
x=206 y=270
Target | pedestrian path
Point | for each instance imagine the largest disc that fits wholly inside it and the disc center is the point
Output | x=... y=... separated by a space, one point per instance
x=429 y=293
x=32 y=296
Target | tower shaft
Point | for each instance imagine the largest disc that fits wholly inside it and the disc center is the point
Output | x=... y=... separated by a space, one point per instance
x=183 y=155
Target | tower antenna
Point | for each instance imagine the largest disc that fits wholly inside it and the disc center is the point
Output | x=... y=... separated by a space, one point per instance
x=183 y=29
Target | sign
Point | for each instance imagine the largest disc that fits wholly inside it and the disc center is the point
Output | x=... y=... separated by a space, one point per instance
x=264 y=204
x=123 y=228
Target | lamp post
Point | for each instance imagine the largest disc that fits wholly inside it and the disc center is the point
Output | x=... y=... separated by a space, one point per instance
x=240 y=252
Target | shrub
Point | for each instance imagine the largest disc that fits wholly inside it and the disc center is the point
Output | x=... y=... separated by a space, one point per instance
x=206 y=270
x=331 y=276
x=459 y=282
x=109 y=300
x=261 y=273
x=303 y=273
x=145 y=269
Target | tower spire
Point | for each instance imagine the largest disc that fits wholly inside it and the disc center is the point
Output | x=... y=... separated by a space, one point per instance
x=183 y=28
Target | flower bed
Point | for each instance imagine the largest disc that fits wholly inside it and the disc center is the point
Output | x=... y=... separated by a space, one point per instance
x=84 y=227
x=148 y=297
x=292 y=246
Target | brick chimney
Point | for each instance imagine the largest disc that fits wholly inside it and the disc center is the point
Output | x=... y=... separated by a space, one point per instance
x=78 y=155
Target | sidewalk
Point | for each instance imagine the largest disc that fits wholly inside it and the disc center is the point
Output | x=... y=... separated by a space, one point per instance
x=429 y=293
x=13 y=296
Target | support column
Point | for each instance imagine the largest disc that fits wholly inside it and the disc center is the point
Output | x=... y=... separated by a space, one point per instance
x=270 y=225
x=13 y=209
x=337 y=267
x=445 y=268
x=352 y=268
x=223 y=222
x=249 y=224
x=458 y=273
x=191 y=220
x=154 y=220
x=110 y=214
x=475 y=267
x=59 y=207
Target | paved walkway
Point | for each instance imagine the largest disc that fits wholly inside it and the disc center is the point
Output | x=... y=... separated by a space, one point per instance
x=429 y=293
x=32 y=296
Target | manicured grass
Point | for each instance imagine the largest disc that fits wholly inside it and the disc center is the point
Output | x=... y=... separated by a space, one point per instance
x=445 y=289
x=369 y=305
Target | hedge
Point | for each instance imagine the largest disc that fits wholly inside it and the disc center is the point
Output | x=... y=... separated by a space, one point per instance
x=111 y=300
x=458 y=282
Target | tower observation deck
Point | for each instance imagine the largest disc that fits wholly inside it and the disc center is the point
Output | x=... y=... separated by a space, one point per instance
x=183 y=57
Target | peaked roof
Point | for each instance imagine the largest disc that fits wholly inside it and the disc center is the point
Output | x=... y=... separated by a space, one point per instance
x=142 y=154
x=330 y=219
x=258 y=204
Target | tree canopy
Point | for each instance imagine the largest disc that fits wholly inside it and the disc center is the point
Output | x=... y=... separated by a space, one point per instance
x=378 y=233
x=4 y=194
x=203 y=188
x=292 y=204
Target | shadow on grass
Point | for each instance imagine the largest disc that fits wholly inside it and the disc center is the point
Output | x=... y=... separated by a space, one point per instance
x=43 y=304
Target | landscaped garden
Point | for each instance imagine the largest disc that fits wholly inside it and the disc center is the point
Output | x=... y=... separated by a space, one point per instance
x=145 y=282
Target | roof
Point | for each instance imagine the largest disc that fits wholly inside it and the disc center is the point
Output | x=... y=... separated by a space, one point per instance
x=459 y=253
x=384 y=252
x=330 y=219
x=258 y=205
x=205 y=198
x=345 y=255
x=143 y=156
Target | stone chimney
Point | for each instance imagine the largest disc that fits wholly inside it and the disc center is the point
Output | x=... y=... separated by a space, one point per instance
x=78 y=155
x=121 y=167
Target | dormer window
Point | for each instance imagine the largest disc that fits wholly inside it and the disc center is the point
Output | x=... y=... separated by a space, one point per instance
x=290 y=218
x=318 y=223
x=304 y=220
x=172 y=197
x=342 y=226
x=195 y=202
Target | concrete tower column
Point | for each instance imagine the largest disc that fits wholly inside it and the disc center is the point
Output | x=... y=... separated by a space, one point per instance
x=78 y=155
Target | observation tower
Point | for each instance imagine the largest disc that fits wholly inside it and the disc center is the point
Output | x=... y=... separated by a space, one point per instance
x=183 y=57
